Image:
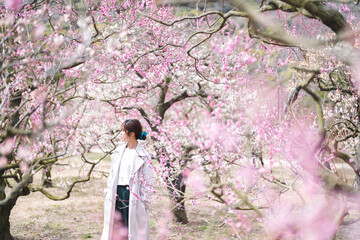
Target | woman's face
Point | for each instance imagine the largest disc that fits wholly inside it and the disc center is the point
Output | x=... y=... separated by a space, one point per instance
x=124 y=136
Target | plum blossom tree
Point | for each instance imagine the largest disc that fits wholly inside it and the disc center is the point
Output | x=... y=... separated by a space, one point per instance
x=216 y=95
x=308 y=131
x=151 y=85
x=44 y=46
x=59 y=59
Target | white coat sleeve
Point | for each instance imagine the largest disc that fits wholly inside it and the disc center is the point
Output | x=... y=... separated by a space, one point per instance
x=111 y=175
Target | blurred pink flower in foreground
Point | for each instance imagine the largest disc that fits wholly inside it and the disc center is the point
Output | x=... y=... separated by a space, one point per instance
x=39 y=95
x=7 y=147
x=13 y=4
x=249 y=175
x=3 y=162
x=24 y=152
x=24 y=166
x=162 y=224
x=313 y=220
x=120 y=231
x=356 y=77
x=303 y=145
x=196 y=182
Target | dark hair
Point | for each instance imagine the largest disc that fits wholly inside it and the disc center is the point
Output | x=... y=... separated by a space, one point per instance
x=134 y=125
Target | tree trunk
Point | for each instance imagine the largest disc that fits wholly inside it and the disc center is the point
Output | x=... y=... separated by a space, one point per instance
x=5 y=223
x=46 y=177
x=5 y=210
x=356 y=182
x=177 y=198
x=176 y=187
x=5 y=214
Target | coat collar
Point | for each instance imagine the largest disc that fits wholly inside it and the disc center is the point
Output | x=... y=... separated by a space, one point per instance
x=139 y=149
x=138 y=161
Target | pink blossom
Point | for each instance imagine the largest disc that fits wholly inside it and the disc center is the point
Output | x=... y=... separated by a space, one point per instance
x=7 y=146
x=14 y=5
x=356 y=77
x=249 y=175
x=58 y=41
x=39 y=95
x=196 y=182
x=39 y=31
x=3 y=162
x=24 y=166
x=208 y=143
x=345 y=8
x=248 y=59
x=313 y=221
x=120 y=231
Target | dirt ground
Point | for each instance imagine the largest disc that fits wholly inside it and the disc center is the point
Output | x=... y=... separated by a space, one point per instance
x=36 y=217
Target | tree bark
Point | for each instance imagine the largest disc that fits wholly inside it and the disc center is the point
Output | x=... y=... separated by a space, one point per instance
x=328 y=15
x=176 y=188
x=46 y=177
x=177 y=198
x=357 y=150
x=5 y=214
x=174 y=181
x=5 y=223
x=5 y=210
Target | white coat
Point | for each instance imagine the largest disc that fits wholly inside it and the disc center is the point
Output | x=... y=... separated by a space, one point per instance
x=141 y=187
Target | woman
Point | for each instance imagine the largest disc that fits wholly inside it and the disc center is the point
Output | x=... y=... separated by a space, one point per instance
x=129 y=188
